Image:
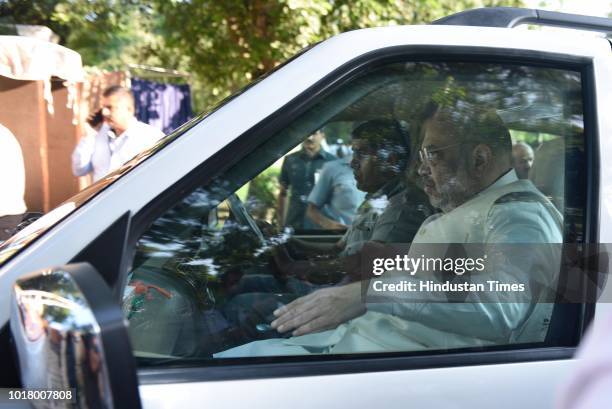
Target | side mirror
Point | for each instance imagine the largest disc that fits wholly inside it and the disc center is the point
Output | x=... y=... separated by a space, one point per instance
x=71 y=335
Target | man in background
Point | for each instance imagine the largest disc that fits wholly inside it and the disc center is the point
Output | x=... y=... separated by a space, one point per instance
x=297 y=178
x=522 y=159
x=120 y=137
x=333 y=202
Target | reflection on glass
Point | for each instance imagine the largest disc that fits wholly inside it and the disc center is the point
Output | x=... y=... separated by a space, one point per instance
x=210 y=271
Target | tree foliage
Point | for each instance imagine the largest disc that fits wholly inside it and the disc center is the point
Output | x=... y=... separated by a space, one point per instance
x=229 y=43
x=223 y=44
x=38 y=12
x=107 y=33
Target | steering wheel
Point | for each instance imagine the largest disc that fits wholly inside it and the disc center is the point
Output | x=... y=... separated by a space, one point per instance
x=243 y=217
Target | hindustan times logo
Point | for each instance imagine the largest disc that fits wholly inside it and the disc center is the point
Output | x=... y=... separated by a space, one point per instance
x=447 y=286
x=411 y=265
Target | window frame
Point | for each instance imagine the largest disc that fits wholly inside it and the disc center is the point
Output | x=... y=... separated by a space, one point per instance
x=241 y=146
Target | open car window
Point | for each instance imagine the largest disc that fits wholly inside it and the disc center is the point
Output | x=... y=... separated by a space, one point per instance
x=467 y=177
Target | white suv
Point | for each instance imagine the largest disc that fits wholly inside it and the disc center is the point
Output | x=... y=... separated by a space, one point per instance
x=164 y=242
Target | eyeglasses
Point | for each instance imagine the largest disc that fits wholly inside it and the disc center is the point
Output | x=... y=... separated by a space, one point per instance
x=429 y=156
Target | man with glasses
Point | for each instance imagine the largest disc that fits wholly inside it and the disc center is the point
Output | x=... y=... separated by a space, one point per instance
x=392 y=212
x=466 y=170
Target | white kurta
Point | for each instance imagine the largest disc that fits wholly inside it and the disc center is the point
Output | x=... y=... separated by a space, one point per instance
x=406 y=325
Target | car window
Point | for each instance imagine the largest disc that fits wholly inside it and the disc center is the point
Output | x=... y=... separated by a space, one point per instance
x=418 y=206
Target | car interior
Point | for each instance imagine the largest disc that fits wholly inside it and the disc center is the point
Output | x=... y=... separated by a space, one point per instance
x=192 y=256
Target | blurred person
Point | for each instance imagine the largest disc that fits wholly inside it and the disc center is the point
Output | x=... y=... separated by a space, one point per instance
x=119 y=138
x=590 y=386
x=12 y=183
x=297 y=178
x=522 y=159
x=333 y=202
x=340 y=149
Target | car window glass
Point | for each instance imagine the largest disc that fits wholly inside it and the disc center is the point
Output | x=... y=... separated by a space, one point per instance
x=418 y=206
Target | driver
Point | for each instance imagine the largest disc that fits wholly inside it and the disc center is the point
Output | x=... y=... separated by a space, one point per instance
x=392 y=212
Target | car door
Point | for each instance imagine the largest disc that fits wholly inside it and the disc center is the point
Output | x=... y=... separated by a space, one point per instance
x=546 y=100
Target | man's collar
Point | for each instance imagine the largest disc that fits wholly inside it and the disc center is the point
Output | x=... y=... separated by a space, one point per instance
x=503 y=180
x=132 y=123
x=113 y=135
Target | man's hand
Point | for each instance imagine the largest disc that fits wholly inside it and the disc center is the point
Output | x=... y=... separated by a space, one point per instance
x=317 y=216
x=321 y=310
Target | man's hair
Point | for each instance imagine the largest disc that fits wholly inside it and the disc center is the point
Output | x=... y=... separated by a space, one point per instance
x=119 y=91
x=385 y=135
x=472 y=123
x=522 y=145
